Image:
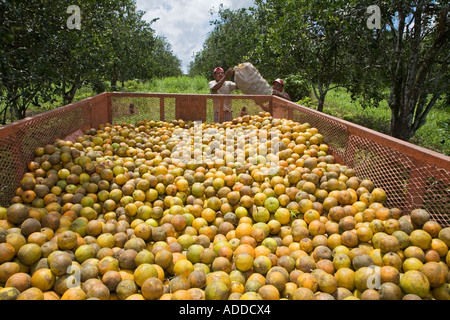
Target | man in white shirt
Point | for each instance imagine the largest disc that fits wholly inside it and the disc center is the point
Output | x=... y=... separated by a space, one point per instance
x=221 y=86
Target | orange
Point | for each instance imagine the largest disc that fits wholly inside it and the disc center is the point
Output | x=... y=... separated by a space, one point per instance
x=308 y=280
x=243 y=229
x=74 y=294
x=243 y=261
x=311 y=215
x=269 y=292
x=282 y=215
x=183 y=267
x=245 y=248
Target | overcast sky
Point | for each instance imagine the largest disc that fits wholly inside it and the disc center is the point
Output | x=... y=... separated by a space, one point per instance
x=185 y=23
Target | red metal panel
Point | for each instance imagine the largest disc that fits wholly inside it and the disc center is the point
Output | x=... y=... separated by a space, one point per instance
x=190 y=109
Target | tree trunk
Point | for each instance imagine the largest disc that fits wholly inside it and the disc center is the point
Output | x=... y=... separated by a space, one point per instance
x=114 y=82
x=410 y=115
x=70 y=95
x=321 y=101
x=3 y=114
x=413 y=78
x=401 y=126
x=15 y=114
x=114 y=79
x=320 y=93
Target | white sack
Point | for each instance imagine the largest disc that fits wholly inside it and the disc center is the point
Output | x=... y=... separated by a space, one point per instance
x=249 y=80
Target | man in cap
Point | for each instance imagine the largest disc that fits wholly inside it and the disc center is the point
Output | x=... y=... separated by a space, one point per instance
x=277 y=89
x=221 y=85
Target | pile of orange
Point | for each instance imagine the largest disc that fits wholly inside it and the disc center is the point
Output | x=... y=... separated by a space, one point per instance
x=255 y=208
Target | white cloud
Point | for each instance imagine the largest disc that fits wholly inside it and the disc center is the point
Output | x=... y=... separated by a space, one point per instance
x=185 y=23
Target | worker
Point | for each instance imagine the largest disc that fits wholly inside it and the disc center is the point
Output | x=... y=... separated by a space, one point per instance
x=221 y=85
x=277 y=89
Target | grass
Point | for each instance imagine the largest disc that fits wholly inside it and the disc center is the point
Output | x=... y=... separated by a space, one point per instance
x=192 y=85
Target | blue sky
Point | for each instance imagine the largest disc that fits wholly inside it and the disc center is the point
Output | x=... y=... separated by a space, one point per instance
x=185 y=23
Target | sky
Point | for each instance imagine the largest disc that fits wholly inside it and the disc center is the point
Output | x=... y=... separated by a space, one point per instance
x=185 y=23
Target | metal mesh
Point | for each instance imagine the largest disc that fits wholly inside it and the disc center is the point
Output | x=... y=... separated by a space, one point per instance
x=168 y=107
x=412 y=177
x=19 y=140
x=133 y=109
x=409 y=184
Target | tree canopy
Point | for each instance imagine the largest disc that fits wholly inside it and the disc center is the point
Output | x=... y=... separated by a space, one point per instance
x=233 y=37
x=52 y=49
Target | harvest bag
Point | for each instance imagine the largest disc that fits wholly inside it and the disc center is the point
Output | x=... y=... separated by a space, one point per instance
x=249 y=80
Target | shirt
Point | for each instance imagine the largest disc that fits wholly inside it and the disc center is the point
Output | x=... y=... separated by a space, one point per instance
x=227 y=88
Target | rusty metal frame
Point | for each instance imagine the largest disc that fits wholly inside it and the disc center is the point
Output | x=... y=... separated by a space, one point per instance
x=412 y=176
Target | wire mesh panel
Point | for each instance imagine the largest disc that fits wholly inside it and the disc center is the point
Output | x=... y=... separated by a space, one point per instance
x=436 y=197
x=11 y=169
x=335 y=134
x=409 y=183
x=190 y=108
x=250 y=106
x=134 y=109
x=384 y=167
x=412 y=177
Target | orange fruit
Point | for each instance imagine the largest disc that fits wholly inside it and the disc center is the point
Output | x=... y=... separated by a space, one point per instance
x=415 y=282
x=183 y=267
x=432 y=227
x=74 y=294
x=436 y=273
x=217 y=290
x=31 y=294
x=143 y=272
x=308 y=280
x=421 y=239
x=389 y=274
x=364 y=234
x=379 y=195
x=327 y=283
x=152 y=288
x=243 y=261
x=276 y=279
x=243 y=229
x=43 y=279
x=20 y=281
x=311 y=215
x=282 y=215
x=269 y=292
x=303 y=294
x=7 y=252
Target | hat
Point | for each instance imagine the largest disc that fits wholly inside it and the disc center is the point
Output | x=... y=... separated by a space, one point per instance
x=218 y=69
x=280 y=81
